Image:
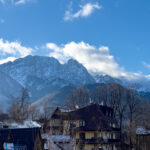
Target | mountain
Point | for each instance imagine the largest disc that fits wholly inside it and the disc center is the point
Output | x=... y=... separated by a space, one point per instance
x=54 y=99
x=145 y=95
x=49 y=81
x=9 y=90
x=43 y=75
x=141 y=84
x=105 y=79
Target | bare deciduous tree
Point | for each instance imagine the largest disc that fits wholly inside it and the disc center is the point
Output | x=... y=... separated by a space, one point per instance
x=34 y=112
x=133 y=101
x=45 y=113
x=118 y=102
x=100 y=94
x=78 y=97
x=142 y=117
x=19 y=109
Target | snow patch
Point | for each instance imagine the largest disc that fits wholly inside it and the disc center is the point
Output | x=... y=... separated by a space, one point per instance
x=142 y=131
x=25 y=124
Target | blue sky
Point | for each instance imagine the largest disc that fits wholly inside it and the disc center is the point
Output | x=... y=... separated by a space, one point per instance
x=119 y=28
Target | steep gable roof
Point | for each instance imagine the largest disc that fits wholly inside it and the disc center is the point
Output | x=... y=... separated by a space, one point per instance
x=96 y=117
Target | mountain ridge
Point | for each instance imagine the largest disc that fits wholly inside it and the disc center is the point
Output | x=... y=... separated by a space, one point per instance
x=43 y=76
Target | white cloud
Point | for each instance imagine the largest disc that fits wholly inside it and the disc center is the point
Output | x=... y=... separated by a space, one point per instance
x=146 y=65
x=16 y=2
x=94 y=59
x=14 y=49
x=84 y=11
x=2 y=61
x=19 y=2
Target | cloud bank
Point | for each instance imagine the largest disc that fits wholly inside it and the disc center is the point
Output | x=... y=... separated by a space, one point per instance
x=84 y=11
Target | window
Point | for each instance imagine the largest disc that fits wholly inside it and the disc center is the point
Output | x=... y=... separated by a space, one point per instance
x=82 y=135
x=72 y=124
x=95 y=135
x=114 y=125
x=18 y=147
x=82 y=123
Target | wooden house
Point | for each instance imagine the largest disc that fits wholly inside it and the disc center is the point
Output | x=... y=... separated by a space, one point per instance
x=93 y=127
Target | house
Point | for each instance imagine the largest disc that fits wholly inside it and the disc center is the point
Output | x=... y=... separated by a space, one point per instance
x=20 y=139
x=93 y=127
x=142 y=138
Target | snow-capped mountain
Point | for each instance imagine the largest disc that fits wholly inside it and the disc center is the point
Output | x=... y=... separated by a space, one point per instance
x=9 y=90
x=105 y=79
x=141 y=84
x=43 y=75
x=46 y=78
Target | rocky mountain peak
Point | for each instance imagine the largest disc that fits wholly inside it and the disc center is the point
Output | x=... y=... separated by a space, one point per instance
x=41 y=74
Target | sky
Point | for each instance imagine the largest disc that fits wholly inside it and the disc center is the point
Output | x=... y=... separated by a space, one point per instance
x=107 y=36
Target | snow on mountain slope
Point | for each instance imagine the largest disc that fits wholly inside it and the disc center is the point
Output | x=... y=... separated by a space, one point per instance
x=105 y=79
x=47 y=68
x=43 y=75
x=40 y=67
x=141 y=84
x=75 y=73
x=9 y=89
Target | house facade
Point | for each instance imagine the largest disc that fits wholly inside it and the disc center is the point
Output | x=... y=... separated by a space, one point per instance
x=21 y=139
x=93 y=127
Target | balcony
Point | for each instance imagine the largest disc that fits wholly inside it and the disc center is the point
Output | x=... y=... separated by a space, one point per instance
x=97 y=149
x=97 y=141
x=89 y=141
x=113 y=140
x=116 y=129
